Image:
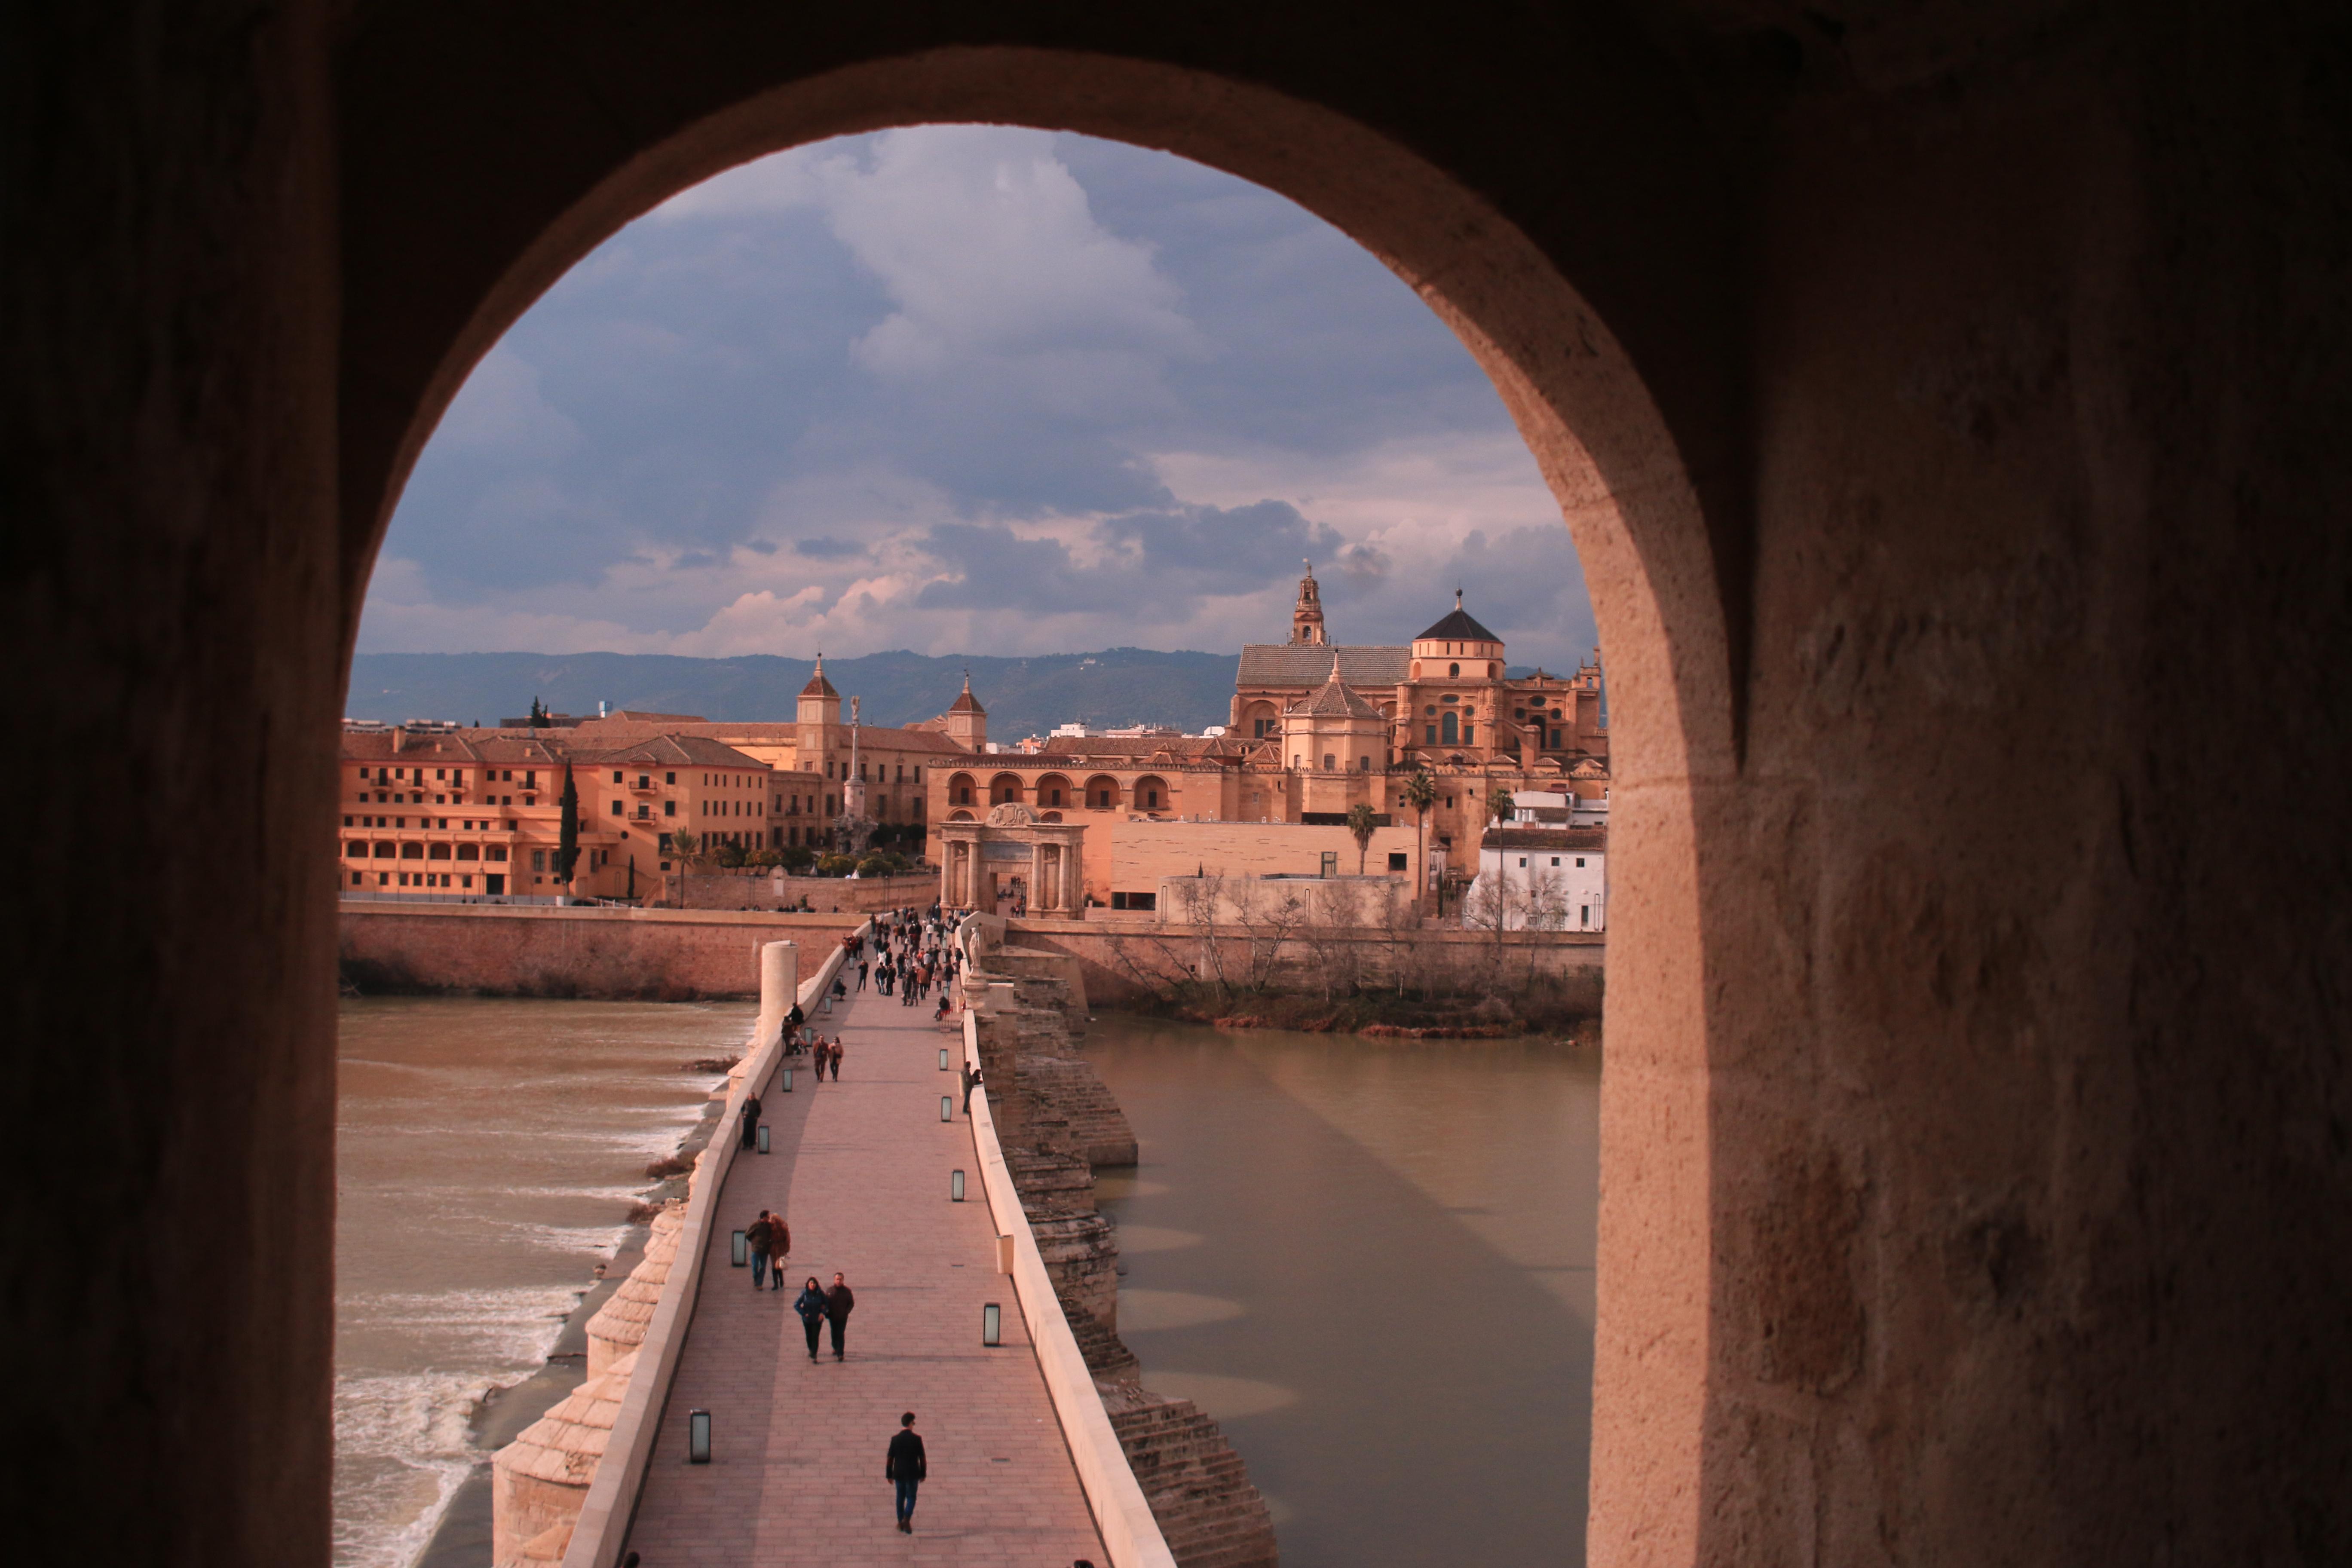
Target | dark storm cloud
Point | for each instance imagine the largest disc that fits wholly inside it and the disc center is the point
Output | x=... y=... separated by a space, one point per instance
x=820 y=548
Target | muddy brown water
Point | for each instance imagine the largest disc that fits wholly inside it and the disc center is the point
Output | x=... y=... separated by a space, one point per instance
x=1372 y=1262
x=1371 y=1259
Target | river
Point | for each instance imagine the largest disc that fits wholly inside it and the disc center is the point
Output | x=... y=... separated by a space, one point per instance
x=487 y=1155
x=1372 y=1261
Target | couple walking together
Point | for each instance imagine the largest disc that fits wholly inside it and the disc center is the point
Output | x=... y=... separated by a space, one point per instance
x=768 y=1242
x=819 y=1308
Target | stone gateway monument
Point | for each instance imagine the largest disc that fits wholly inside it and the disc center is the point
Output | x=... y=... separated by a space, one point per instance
x=1012 y=864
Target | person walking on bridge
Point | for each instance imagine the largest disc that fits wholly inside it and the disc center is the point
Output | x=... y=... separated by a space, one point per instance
x=838 y=1304
x=862 y=967
x=780 y=1250
x=834 y=1056
x=905 y=1465
x=755 y=1243
x=751 y=1121
x=810 y=1305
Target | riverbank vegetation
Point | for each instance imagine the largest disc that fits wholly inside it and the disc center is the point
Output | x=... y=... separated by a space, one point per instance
x=1258 y=954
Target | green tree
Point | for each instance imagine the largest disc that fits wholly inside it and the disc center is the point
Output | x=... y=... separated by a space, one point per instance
x=539 y=715
x=1420 y=793
x=567 y=834
x=1361 y=820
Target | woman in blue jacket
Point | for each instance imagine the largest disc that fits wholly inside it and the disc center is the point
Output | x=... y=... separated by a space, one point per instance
x=810 y=1305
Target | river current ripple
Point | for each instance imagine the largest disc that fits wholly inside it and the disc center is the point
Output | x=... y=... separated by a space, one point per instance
x=487 y=1155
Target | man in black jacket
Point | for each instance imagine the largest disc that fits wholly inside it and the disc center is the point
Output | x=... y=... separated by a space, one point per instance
x=838 y=1303
x=905 y=1466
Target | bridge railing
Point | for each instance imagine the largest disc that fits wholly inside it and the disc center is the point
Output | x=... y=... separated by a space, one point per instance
x=603 y=1529
x=1130 y=1535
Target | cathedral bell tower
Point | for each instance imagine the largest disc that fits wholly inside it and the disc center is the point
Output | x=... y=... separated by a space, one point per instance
x=1307 y=616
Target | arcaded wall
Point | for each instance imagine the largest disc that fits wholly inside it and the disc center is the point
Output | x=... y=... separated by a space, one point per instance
x=1946 y=404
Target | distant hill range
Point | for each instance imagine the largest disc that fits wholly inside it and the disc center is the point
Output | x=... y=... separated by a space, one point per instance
x=1024 y=696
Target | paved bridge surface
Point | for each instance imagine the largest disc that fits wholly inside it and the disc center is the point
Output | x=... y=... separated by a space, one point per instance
x=860 y=1168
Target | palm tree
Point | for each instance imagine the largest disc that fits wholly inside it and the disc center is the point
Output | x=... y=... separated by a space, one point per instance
x=684 y=845
x=1361 y=820
x=1420 y=792
x=1500 y=806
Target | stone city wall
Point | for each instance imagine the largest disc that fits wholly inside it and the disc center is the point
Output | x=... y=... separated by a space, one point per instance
x=510 y=950
x=1120 y=961
x=825 y=895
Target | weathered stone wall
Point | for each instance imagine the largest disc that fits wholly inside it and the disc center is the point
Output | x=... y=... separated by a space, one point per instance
x=825 y=895
x=1121 y=963
x=545 y=950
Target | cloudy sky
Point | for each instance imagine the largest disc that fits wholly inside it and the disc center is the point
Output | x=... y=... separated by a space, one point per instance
x=971 y=389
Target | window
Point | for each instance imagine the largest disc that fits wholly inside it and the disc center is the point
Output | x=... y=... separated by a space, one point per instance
x=1330 y=762
x=1364 y=764
x=1330 y=866
x=1523 y=862
x=1454 y=671
x=1555 y=859
x=539 y=860
x=670 y=778
x=1451 y=729
x=1432 y=728
x=1397 y=860
x=1134 y=901
x=1580 y=859
x=495 y=852
x=530 y=780
x=1555 y=740
x=438 y=852
x=616 y=808
x=470 y=851
x=412 y=851
x=669 y=808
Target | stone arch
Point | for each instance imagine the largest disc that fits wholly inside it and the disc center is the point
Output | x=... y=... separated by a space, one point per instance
x=1054 y=790
x=963 y=790
x=1003 y=789
x=1103 y=793
x=1151 y=793
x=444 y=247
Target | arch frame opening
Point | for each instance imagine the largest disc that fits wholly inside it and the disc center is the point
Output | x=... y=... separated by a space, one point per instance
x=1626 y=491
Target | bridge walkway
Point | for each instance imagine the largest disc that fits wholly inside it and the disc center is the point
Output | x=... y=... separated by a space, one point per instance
x=860 y=1168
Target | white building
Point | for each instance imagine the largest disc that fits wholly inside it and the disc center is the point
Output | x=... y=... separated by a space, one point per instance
x=1545 y=878
x=1552 y=808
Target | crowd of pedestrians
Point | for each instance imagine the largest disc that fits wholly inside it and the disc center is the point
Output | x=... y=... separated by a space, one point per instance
x=910 y=956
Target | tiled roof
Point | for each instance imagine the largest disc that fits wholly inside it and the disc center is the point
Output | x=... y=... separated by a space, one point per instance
x=1333 y=699
x=1459 y=626
x=1590 y=839
x=643 y=717
x=818 y=686
x=1308 y=665
x=967 y=703
x=696 y=751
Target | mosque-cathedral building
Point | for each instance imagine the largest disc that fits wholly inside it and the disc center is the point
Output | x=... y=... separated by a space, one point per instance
x=1316 y=727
